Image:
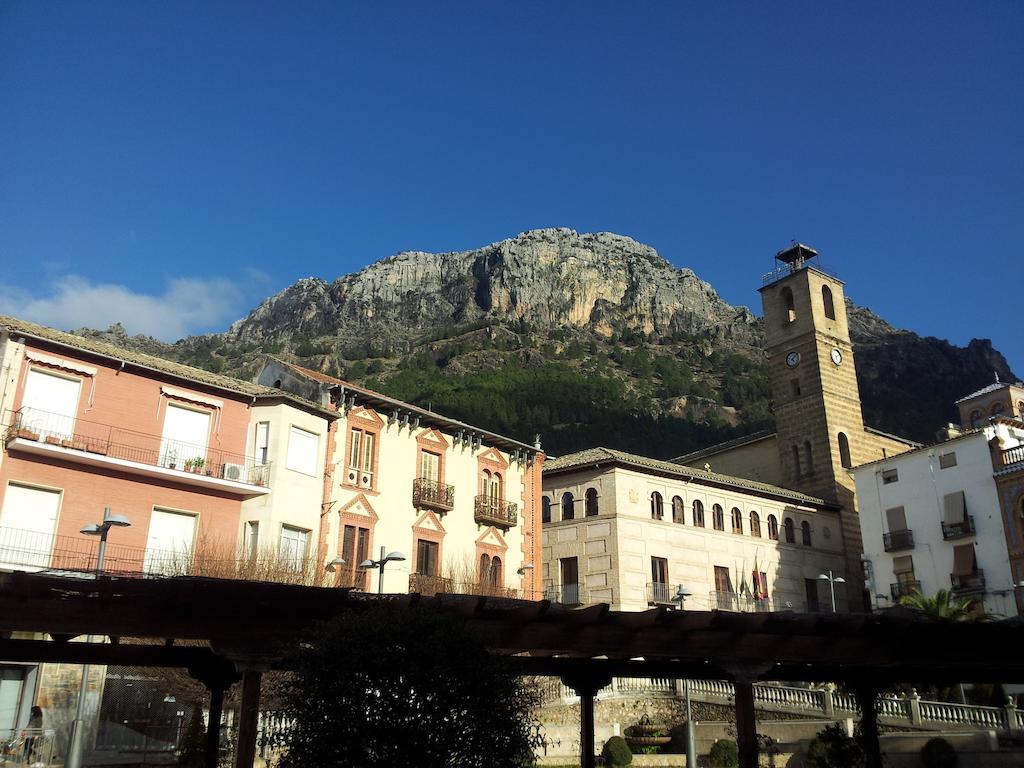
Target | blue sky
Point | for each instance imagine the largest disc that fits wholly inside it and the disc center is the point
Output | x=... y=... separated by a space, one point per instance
x=170 y=164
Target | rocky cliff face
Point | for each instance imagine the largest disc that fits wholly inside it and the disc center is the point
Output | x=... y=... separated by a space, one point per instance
x=622 y=347
x=549 y=278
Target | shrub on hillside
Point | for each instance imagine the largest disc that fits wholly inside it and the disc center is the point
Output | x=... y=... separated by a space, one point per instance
x=724 y=754
x=832 y=748
x=616 y=752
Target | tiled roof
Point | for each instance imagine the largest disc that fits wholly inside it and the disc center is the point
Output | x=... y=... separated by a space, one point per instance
x=18 y=328
x=736 y=442
x=594 y=456
x=993 y=387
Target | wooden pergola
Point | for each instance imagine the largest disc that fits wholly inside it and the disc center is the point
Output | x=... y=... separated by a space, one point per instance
x=247 y=628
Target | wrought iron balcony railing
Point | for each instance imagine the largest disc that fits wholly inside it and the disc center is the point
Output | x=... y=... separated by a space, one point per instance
x=430 y=494
x=77 y=440
x=904 y=589
x=971 y=582
x=488 y=510
x=958 y=530
x=659 y=593
x=897 y=540
x=566 y=594
x=730 y=601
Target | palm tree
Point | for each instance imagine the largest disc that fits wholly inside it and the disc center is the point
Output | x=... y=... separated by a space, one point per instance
x=943 y=606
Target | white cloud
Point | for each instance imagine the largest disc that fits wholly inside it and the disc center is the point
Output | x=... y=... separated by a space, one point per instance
x=186 y=305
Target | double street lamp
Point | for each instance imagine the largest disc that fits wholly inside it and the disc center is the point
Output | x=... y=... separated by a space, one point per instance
x=390 y=557
x=691 y=749
x=110 y=520
x=832 y=581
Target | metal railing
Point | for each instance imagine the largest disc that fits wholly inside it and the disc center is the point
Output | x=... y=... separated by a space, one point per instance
x=566 y=594
x=425 y=584
x=958 y=530
x=26 y=747
x=970 y=582
x=745 y=603
x=488 y=510
x=659 y=593
x=86 y=437
x=431 y=494
x=904 y=588
x=897 y=540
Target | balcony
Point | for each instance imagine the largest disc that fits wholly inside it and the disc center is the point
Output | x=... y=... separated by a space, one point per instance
x=659 y=593
x=971 y=582
x=904 y=589
x=430 y=494
x=93 y=444
x=958 y=530
x=1013 y=456
x=488 y=510
x=730 y=601
x=894 y=541
x=566 y=594
x=437 y=585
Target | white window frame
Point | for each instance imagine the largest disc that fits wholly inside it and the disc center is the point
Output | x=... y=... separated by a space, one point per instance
x=298 y=461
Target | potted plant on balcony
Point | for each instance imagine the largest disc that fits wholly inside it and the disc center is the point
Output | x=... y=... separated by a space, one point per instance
x=197 y=464
x=171 y=459
x=188 y=465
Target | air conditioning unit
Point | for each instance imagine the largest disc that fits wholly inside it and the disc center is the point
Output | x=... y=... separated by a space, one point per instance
x=233 y=472
x=353 y=476
x=365 y=480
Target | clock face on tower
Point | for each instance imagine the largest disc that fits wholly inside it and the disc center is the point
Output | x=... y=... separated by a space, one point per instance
x=793 y=359
x=837 y=356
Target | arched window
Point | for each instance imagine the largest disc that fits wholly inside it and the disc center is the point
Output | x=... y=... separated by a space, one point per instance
x=755 y=524
x=788 y=305
x=826 y=299
x=976 y=418
x=805 y=533
x=485 y=482
x=698 y=513
x=485 y=569
x=1020 y=408
x=737 y=520
x=808 y=458
x=998 y=408
x=796 y=462
x=718 y=517
x=790 y=533
x=657 y=506
x=495 y=491
x=678 y=516
x=496 y=576
x=844 y=451
x=591 y=502
x=567 y=506
x=545 y=509
x=773 y=528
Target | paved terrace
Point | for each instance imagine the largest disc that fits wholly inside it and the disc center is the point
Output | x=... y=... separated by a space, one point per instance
x=247 y=628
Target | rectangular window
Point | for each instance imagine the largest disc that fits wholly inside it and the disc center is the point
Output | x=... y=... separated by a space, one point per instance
x=903 y=569
x=890 y=476
x=659 y=570
x=355 y=549
x=252 y=538
x=430 y=464
x=897 y=519
x=426 y=557
x=361 y=458
x=570 y=573
x=302 y=450
x=185 y=436
x=262 y=442
x=169 y=542
x=50 y=403
x=811 y=594
x=795 y=384
x=27 y=523
x=294 y=545
x=725 y=597
x=947 y=460
x=760 y=587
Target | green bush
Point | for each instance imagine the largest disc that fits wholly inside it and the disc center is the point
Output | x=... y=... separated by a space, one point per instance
x=724 y=754
x=832 y=748
x=192 y=752
x=616 y=752
x=938 y=753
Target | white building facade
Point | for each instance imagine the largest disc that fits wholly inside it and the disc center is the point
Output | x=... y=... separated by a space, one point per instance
x=631 y=531
x=931 y=519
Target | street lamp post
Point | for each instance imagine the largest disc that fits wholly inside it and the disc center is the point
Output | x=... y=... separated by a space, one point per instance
x=832 y=581
x=110 y=520
x=390 y=557
x=691 y=748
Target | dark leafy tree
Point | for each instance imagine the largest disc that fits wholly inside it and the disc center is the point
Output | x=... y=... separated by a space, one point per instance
x=399 y=687
x=832 y=748
x=193 y=745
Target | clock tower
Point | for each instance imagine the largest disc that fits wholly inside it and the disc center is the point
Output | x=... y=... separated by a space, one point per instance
x=820 y=428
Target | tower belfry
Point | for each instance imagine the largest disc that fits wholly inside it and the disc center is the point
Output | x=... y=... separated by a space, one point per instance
x=820 y=427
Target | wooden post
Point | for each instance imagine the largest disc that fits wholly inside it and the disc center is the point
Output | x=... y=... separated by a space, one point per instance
x=746 y=725
x=867 y=699
x=248 y=718
x=586 y=687
x=212 y=752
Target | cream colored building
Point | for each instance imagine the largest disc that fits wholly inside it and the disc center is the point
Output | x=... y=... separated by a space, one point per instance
x=999 y=399
x=630 y=531
x=461 y=504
